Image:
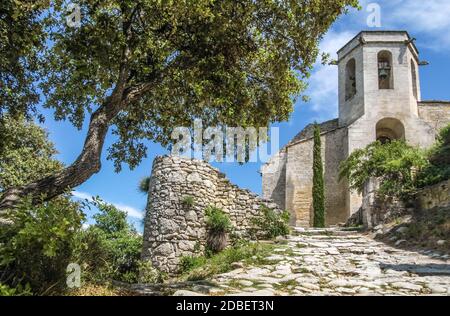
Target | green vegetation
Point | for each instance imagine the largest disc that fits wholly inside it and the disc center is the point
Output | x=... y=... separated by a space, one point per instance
x=392 y=163
x=199 y=268
x=318 y=186
x=218 y=226
x=36 y=249
x=438 y=168
x=111 y=248
x=188 y=201
x=167 y=62
x=144 y=185
x=271 y=224
x=26 y=154
x=400 y=168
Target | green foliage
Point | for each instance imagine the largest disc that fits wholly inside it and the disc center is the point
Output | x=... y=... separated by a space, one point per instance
x=272 y=224
x=26 y=154
x=111 y=248
x=109 y=218
x=439 y=157
x=22 y=38
x=393 y=163
x=318 y=185
x=19 y=290
x=189 y=263
x=148 y=274
x=188 y=201
x=217 y=221
x=200 y=268
x=227 y=62
x=218 y=226
x=39 y=245
x=144 y=185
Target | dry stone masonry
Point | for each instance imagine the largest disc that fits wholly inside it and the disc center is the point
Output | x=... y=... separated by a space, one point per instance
x=174 y=226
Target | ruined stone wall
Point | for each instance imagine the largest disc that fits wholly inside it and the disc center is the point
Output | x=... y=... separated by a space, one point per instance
x=172 y=228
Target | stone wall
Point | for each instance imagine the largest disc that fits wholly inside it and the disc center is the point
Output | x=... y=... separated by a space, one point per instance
x=375 y=211
x=435 y=113
x=435 y=196
x=174 y=229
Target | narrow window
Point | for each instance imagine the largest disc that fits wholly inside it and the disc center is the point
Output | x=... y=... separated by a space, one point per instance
x=350 y=79
x=385 y=73
x=414 y=78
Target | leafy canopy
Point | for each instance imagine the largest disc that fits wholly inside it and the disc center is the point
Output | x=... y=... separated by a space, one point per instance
x=230 y=62
x=26 y=154
x=22 y=37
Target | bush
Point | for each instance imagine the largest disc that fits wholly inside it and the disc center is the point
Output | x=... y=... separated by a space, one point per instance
x=39 y=245
x=189 y=263
x=218 y=225
x=272 y=224
x=111 y=248
x=393 y=163
x=438 y=169
x=144 y=185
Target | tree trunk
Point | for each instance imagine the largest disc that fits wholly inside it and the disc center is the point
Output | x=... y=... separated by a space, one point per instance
x=87 y=164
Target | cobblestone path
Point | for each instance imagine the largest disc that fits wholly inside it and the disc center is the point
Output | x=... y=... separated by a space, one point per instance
x=336 y=262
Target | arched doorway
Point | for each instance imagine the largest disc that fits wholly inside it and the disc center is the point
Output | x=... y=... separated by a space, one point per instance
x=389 y=129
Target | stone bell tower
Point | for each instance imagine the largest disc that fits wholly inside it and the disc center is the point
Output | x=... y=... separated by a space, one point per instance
x=379 y=92
x=378 y=77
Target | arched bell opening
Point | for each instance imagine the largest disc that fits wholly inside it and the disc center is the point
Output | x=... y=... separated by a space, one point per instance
x=389 y=129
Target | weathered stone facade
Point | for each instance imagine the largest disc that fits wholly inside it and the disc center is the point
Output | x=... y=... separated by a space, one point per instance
x=173 y=228
x=371 y=108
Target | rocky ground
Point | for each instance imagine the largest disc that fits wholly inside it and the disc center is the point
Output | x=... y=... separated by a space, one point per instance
x=333 y=262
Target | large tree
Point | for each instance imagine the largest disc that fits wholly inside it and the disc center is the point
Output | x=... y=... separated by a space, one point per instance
x=143 y=67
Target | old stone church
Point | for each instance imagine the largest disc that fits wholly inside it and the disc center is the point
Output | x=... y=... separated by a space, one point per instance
x=379 y=99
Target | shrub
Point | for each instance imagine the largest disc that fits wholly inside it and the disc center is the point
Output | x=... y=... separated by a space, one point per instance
x=111 y=248
x=39 y=245
x=19 y=290
x=272 y=224
x=188 y=201
x=392 y=163
x=218 y=225
x=149 y=274
x=438 y=168
x=189 y=263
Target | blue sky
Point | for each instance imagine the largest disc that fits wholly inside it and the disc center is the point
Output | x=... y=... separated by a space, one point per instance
x=428 y=21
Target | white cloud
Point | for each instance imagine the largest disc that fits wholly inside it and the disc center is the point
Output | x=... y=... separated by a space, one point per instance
x=323 y=84
x=429 y=19
x=131 y=211
x=82 y=195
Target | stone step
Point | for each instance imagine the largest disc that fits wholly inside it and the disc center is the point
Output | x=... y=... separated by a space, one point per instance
x=324 y=231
